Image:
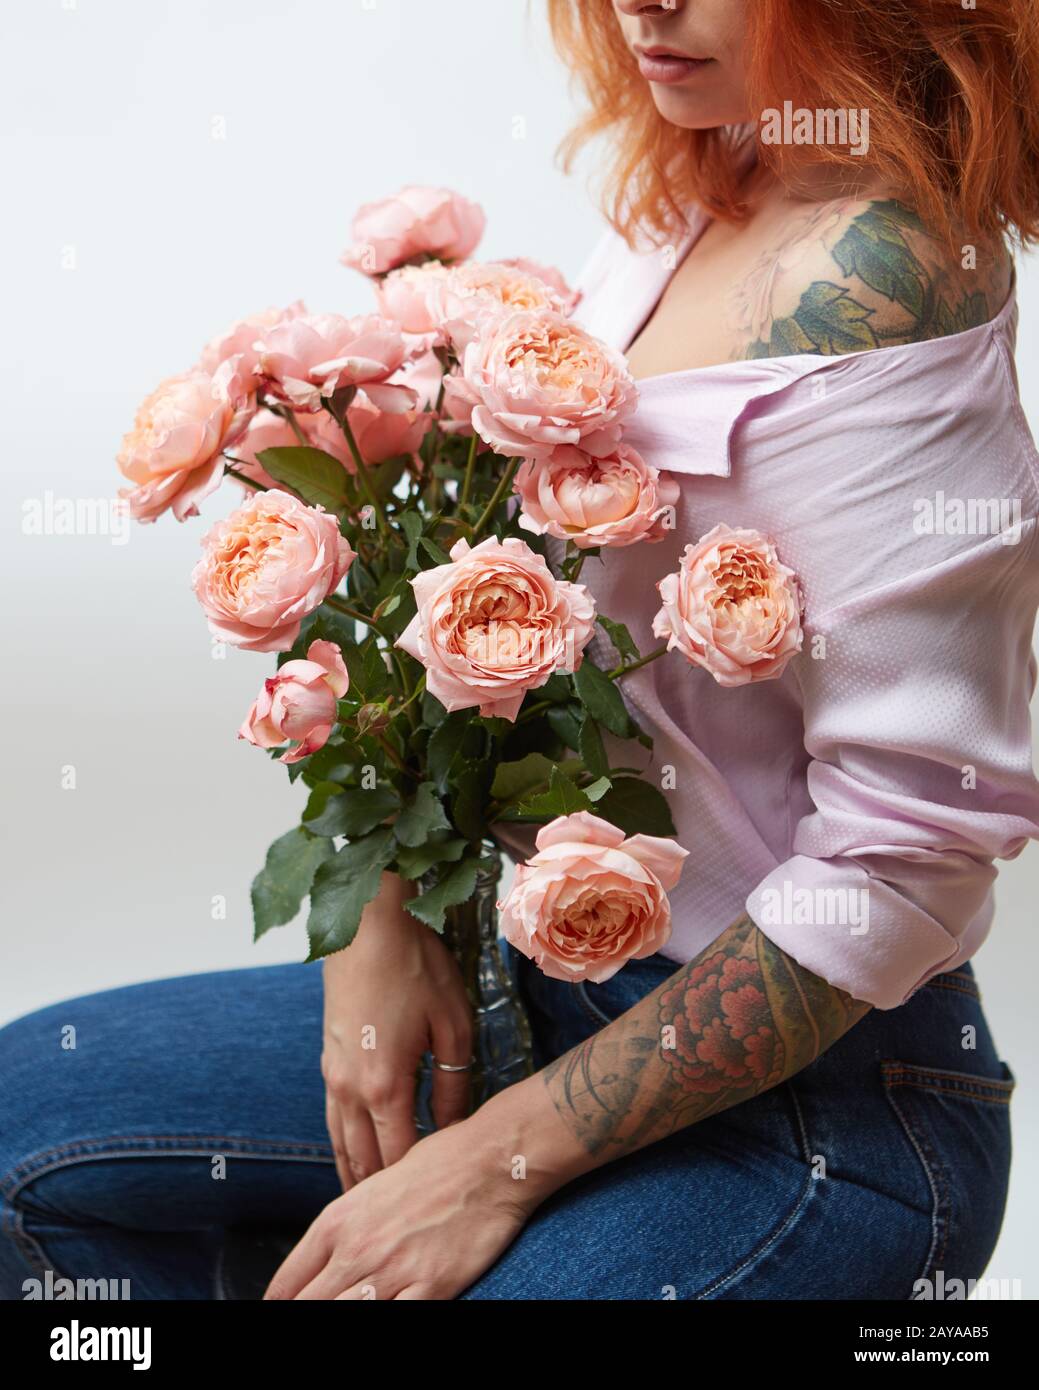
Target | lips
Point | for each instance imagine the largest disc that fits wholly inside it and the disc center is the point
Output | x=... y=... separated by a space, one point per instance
x=666 y=66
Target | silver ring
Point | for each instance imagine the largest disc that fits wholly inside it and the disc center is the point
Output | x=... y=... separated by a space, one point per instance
x=446 y=1066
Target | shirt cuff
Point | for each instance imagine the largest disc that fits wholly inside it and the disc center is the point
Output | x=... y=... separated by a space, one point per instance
x=856 y=932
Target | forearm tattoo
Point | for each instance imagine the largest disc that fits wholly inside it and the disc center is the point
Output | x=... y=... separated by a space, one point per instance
x=737 y=1020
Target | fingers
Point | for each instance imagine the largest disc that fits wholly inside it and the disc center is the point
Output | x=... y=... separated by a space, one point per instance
x=452 y=1042
x=304 y=1262
x=394 y=1122
x=362 y=1147
x=337 y=1136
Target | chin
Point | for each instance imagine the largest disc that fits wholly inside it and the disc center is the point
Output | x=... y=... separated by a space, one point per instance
x=690 y=112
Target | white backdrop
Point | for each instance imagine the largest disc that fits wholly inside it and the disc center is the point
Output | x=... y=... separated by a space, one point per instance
x=171 y=165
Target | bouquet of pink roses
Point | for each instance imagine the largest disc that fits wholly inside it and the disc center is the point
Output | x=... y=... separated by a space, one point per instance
x=423 y=486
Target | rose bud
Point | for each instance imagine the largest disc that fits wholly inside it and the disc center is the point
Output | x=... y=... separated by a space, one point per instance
x=299 y=703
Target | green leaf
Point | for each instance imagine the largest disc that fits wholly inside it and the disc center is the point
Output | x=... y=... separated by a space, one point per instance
x=456 y=887
x=366 y=666
x=333 y=763
x=623 y=642
x=421 y=816
x=788 y=339
x=352 y=812
x=326 y=625
x=876 y=252
x=312 y=474
x=468 y=806
x=342 y=888
x=895 y=211
x=513 y=780
x=411 y=525
x=601 y=699
x=637 y=807
x=414 y=862
x=284 y=881
x=557 y=687
x=565 y=723
x=595 y=791
x=833 y=321
x=445 y=743
x=389 y=605
x=433 y=712
x=320 y=792
x=435 y=553
x=590 y=746
x=561 y=799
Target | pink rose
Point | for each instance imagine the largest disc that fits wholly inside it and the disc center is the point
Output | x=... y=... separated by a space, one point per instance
x=732 y=608
x=414 y=222
x=616 y=500
x=552 y=278
x=590 y=899
x=456 y=410
x=494 y=624
x=299 y=702
x=173 y=453
x=464 y=298
x=267 y=566
x=382 y=435
x=241 y=338
x=269 y=431
x=404 y=295
x=535 y=380
x=305 y=359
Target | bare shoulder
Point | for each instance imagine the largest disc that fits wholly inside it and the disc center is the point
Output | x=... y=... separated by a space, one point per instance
x=859 y=274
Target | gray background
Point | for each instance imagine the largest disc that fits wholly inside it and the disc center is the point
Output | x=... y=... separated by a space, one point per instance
x=172 y=165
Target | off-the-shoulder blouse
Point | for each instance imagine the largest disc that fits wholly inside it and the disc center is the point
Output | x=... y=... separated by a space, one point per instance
x=855 y=805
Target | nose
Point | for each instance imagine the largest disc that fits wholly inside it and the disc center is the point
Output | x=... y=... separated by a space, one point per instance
x=642 y=9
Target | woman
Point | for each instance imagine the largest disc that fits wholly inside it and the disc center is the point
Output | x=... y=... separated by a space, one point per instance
x=823 y=336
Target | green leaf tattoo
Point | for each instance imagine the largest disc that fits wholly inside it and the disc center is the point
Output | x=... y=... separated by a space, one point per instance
x=881 y=249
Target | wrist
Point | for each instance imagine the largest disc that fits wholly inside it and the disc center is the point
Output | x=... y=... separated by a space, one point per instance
x=518 y=1138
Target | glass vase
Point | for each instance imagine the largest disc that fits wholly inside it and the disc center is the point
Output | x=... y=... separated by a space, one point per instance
x=501 y=1031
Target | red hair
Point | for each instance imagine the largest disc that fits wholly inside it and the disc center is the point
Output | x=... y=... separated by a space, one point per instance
x=952 y=96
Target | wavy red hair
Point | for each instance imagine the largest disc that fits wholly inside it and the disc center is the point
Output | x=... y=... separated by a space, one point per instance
x=953 y=97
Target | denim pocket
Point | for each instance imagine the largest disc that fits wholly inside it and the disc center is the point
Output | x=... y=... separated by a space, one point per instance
x=958 y=1125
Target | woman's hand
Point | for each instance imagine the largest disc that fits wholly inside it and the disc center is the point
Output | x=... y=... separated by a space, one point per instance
x=424 y=1229
x=395 y=992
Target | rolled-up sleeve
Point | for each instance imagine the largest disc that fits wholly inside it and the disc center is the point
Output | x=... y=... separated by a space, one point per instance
x=915 y=698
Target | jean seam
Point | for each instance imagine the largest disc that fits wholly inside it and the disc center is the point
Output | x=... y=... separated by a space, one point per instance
x=145 y=1145
x=23 y=1174
x=758 y=1254
x=953 y=984
x=591 y=1010
x=940 y=1213
x=994 y=1091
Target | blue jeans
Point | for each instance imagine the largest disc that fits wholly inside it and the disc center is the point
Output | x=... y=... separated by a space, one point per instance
x=192 y=1110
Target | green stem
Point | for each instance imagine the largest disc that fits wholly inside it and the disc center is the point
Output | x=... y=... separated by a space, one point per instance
x=391 y=752
x=230 y=472
x=289 y=417
x=623 y=670
x=341 y=607
x=363 y=476
x=470 y=461
x=504 y=483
